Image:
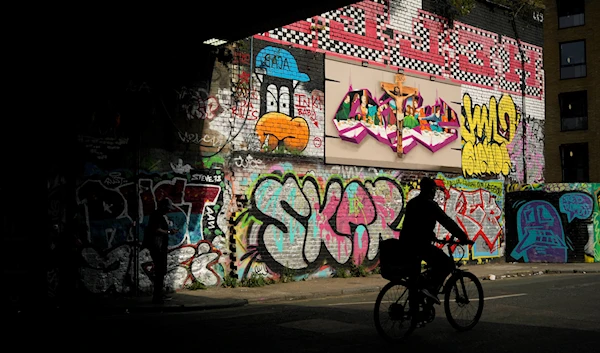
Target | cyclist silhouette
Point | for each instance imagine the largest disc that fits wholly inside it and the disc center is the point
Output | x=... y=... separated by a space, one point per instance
x=417 y=236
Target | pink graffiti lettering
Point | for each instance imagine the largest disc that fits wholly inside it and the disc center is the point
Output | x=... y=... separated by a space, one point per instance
x=475 y=51
x=512 y=72
x=294 y=222
x=464 y=55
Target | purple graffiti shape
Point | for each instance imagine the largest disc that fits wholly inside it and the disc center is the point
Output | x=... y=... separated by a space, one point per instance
x=541 y=234
x=576 y=205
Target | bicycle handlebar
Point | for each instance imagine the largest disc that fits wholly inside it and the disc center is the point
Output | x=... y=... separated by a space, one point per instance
x=449 y=242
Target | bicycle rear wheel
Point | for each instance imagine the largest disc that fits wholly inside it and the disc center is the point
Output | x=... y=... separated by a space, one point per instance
x=393 y=318
x=463 y=300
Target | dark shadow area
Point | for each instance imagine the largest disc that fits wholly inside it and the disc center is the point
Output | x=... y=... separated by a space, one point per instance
x=296 y=328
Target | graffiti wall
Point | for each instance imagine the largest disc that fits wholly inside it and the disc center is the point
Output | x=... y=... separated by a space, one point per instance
x=272 y=100
x=246 y=154
x=504 y=139
x=116 y=210
x=329 y=217
x=553 y=223
x=497 y=139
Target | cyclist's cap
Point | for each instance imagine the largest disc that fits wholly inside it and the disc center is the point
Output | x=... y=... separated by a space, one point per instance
x=427 y=184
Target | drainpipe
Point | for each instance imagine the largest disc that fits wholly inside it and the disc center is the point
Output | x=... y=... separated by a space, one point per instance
x=523 y=91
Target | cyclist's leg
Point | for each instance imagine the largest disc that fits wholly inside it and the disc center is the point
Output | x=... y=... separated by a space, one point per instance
x=440 y=264
x=414 y=270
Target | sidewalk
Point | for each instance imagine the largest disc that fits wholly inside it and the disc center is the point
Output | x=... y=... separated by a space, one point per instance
x=219 y=297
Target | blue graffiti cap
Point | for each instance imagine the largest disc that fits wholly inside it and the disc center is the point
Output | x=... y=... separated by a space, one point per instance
x=279 y=62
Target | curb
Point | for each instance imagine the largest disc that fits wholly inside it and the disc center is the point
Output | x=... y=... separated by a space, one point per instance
x=146 y=307
x=534 y=273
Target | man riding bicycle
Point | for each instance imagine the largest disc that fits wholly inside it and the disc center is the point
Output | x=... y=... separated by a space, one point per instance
x=417 y=236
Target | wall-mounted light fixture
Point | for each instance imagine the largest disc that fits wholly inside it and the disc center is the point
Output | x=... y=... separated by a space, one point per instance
x=400 y=70
x=214 y=41
x=431 y=78
x=365 y=63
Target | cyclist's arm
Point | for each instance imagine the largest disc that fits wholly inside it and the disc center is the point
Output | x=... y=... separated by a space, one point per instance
x=450 y=225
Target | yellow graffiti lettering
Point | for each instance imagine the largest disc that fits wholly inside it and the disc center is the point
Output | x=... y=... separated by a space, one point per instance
x=508 y=119
x=486 y=134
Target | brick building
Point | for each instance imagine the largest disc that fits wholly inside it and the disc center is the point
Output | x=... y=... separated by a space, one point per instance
x=572 y=123
x=285 y=157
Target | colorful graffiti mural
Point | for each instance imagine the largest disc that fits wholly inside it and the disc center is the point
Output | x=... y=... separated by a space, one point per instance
x=553 y=223
x=359 y=114
x=274 y=102
x=486 y=131
x=113 y=205
x=278 y=128
x=311 y=218
x=315 y=222
x=423 y=42
x=487 y=64
x=477 y=207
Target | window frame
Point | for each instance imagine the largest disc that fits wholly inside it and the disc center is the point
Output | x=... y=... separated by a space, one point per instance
x=586 y=169
x=560 y=58
x=560 y=109
x=558 y=16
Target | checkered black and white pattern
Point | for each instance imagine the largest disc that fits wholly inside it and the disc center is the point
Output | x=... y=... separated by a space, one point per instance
x=539 y=70
x=415 y=64
x=353 y=19
x=354 y=22
x=516 y=86
x=292 y=36
x=469 y=51
x=419 y=40
x=349 y=38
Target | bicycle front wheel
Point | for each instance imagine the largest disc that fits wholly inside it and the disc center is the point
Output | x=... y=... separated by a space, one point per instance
x=393 y=317
x=463 y=300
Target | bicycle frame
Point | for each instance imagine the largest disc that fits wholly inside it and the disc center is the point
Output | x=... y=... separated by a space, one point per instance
x=422 y=309
x=456 y=264
x=455 y=267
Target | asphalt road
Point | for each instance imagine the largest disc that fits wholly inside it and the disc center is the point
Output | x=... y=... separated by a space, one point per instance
x=554 y=313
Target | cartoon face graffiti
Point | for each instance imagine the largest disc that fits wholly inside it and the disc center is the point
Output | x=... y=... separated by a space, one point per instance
x=541 y=235
x=278 y=72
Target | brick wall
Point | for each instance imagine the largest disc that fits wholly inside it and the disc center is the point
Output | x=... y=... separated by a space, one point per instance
x=295 y=213
x=242 y=156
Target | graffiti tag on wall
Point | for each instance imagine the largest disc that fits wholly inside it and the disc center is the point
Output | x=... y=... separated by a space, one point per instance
x=299 y=222
x=546 y=226
x=486 y=132
x=113 y=204
x=278 y=126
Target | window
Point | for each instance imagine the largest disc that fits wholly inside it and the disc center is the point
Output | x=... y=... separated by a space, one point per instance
x=571 y=13
x=575 y=162
x=572 y=59
x=573 y=111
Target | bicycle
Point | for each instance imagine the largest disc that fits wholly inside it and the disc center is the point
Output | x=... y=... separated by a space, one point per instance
x=395 y=319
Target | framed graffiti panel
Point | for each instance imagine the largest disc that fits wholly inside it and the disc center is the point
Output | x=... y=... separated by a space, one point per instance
x=375 y=117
